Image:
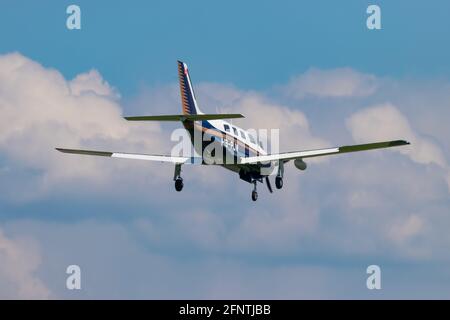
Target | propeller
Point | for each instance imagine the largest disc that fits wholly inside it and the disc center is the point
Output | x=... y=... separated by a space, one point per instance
x=269 y=186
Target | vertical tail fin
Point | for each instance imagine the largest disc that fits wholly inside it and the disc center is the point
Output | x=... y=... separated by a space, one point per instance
x=188 y=102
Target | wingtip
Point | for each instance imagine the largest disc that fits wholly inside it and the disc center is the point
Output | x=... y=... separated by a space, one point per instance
x=62 y=150
x=400 y=143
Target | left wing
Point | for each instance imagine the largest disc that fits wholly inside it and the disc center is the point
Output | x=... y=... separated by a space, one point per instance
x=148 y=157
x=286 y=156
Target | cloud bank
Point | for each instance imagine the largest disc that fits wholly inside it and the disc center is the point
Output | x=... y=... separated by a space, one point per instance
x=336 y=83
x=19 y=261
x=334 y=219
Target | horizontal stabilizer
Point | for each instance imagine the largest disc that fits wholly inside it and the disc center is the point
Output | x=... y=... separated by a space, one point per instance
x=186 y=117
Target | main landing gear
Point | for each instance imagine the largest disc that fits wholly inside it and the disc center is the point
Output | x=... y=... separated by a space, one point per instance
x=179 y=184
x=254 y=192
x=279 y=178
x=279 y=182
x=177 y=178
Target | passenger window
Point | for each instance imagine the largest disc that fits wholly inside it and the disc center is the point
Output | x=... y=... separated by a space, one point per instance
x=235 y=131
x=226 y=127
x=242 y=134
x=260 y=144
x=252 y=140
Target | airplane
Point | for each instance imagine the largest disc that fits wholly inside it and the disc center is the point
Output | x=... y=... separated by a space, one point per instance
x=249 y=158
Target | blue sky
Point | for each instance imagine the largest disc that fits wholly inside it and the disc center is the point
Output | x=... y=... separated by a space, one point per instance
x=135 y=44
x=310 y=68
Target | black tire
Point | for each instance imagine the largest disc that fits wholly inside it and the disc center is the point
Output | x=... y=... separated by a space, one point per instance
x=254 y=195
x=179 y=184
x=279 y=182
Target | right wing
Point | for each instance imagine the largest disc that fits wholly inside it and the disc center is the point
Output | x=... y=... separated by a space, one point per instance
x=137 y=156
x=286 y=156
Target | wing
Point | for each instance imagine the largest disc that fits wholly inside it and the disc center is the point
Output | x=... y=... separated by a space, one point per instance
x=148 y=157
x=286 y=156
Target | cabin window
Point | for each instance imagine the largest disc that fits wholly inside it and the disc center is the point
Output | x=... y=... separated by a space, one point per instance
x=260 y=144
x=252 y=140
x=226 y=127
x=235 y=131
x=242 y=134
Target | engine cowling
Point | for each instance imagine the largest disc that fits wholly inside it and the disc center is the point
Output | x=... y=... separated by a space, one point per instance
x=300 y=164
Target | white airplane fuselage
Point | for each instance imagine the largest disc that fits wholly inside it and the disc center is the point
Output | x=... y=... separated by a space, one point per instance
x=233 y=143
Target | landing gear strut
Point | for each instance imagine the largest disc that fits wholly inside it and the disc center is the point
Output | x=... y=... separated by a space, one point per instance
x=254 y=192
x=177 y=178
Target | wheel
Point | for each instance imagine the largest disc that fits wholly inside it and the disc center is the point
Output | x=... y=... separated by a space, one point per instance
x=279 y=182
x=179 y=184
x=254 y=195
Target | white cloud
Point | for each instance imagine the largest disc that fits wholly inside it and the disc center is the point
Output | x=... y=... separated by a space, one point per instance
x=335 y=83
x=386 y=122
x=19 y=260
x=92 y=82
x=262 y=113
x=41 y=110
x=291 y=123
x=407 y=229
